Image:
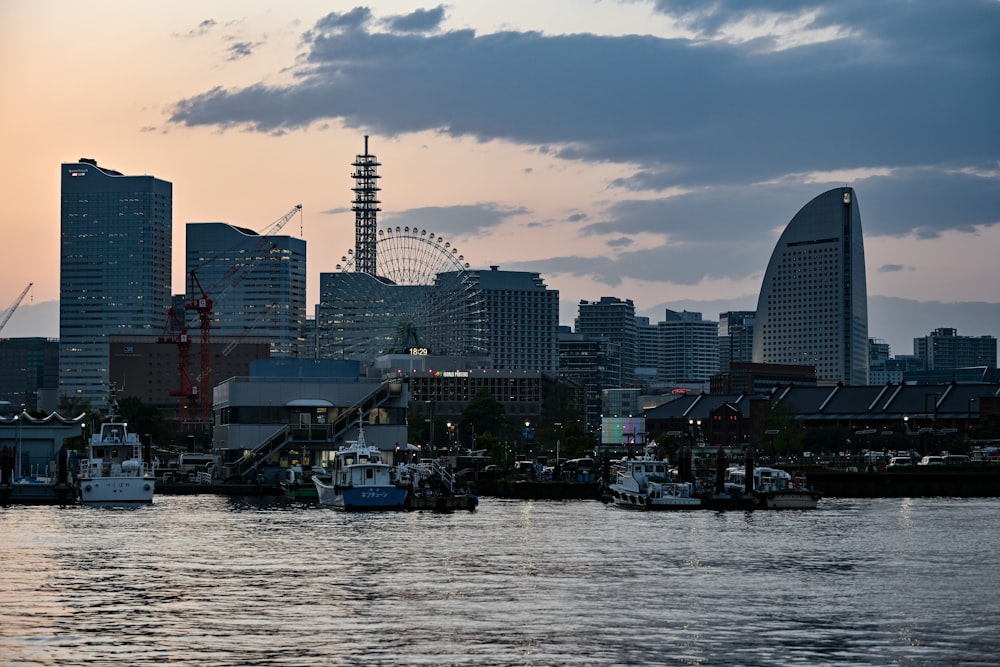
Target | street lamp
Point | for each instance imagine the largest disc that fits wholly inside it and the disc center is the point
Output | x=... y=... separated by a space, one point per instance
x=968 y=421
x=17 y=467
x=526 y=434
x=691 y=424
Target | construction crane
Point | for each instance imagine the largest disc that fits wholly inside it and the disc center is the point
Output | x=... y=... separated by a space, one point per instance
x=203 y=302
x=188 y=391
x=13 y=306
x=203 y=306
x=238 y=339
x=257 y=255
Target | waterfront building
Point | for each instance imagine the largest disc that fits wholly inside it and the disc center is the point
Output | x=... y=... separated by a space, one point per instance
x=580 y=363
x=148 y=368
x=612 y=322
x=689 y=348
x=750 y=378
x=647 y=351
x=299 y=411
x=621 y=402
x=29 y=373
x=522 y=319
x=813 y=304
x=115 y=273
x=909 y=417
x=735 y=337
x=34 y=444
x=944 y=349
x=257 y=284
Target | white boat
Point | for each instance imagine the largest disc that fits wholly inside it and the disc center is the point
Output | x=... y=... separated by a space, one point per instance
x=359 y=480
x=114 y=472
x=776 y=489
x=647 y=483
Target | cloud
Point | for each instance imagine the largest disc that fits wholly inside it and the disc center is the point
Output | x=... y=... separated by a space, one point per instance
x=463 y=221
x=203 y=28
x=893 y=268
x=241 y=50
x=906 y=88
x=420 y=20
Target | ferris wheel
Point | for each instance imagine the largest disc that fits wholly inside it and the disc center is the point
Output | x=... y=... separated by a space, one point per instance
x=421 y=299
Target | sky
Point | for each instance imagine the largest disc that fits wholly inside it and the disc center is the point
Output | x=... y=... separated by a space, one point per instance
x=650 y=151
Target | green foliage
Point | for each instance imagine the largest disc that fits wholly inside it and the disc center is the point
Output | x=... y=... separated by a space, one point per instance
x=987 y=428
x=483 y=415
x=72 y=407
x=144 y=420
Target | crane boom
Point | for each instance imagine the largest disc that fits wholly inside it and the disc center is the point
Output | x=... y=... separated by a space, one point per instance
x=259 y=250
x=13 y=306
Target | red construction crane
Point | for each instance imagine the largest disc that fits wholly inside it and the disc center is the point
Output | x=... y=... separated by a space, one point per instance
x=203 y=306
x=187 y=391
x=202 y=303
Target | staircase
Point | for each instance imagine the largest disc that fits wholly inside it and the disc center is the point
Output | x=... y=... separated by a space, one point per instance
x=249 y=462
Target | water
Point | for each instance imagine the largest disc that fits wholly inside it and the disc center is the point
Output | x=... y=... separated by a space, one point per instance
x=207 y=580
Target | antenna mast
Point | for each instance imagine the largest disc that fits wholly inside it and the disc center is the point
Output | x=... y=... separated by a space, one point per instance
x=365 y=208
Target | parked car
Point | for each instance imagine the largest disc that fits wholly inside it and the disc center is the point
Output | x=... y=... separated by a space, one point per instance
x=931 y=461
x=900 y=462
x=957 y=459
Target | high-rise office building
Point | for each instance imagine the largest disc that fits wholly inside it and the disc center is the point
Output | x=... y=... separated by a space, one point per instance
x=689 y=347
x=580 y=362
x=944 y=349
x=522 y=319
x=257 y=283
x=735 y=337
x=114 y=269
x=612 y=322
x=813 y=304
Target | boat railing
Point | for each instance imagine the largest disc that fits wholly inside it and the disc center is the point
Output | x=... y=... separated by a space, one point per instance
x=446 y=475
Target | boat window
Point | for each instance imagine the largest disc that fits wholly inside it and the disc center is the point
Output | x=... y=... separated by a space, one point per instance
x=370 y=473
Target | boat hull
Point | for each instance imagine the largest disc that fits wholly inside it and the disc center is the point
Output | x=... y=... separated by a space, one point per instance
x=363 y=498
x=640 y=501
x=300 y=491
x=788 y=500
x=116 y=490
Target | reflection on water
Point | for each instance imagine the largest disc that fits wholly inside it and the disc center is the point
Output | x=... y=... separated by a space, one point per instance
x=194 y=580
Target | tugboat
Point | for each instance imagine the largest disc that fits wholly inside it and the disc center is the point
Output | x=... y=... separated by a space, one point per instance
x=645 y=482
x=114 y=472
x=359 y=480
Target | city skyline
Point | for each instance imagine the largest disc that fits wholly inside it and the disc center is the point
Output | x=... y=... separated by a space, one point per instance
x=618 y=149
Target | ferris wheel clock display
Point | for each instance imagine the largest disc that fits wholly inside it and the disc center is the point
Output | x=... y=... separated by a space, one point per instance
x=422 y=299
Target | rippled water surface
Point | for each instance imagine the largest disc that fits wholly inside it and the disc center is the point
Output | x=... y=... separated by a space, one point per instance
x=207 y=580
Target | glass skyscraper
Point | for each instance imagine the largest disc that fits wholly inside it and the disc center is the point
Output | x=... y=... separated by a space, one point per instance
x=813 y=304
x=114 y=269
x=257 y=283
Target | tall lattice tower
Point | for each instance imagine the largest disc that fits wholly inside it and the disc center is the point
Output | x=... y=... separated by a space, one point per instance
x=365 y=207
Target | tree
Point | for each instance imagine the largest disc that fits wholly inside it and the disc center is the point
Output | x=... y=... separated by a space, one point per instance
x=482 y=415
x=143 y=419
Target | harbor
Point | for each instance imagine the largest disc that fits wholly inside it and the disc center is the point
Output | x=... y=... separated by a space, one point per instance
x=516 y=583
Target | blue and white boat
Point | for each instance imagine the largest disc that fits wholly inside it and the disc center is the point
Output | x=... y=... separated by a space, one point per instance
x=359 y=480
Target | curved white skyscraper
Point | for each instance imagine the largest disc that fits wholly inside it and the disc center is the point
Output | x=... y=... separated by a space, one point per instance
x=813 y=305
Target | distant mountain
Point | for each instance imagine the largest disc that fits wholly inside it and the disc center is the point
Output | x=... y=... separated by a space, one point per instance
x=33 y=320
x=896 y=321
